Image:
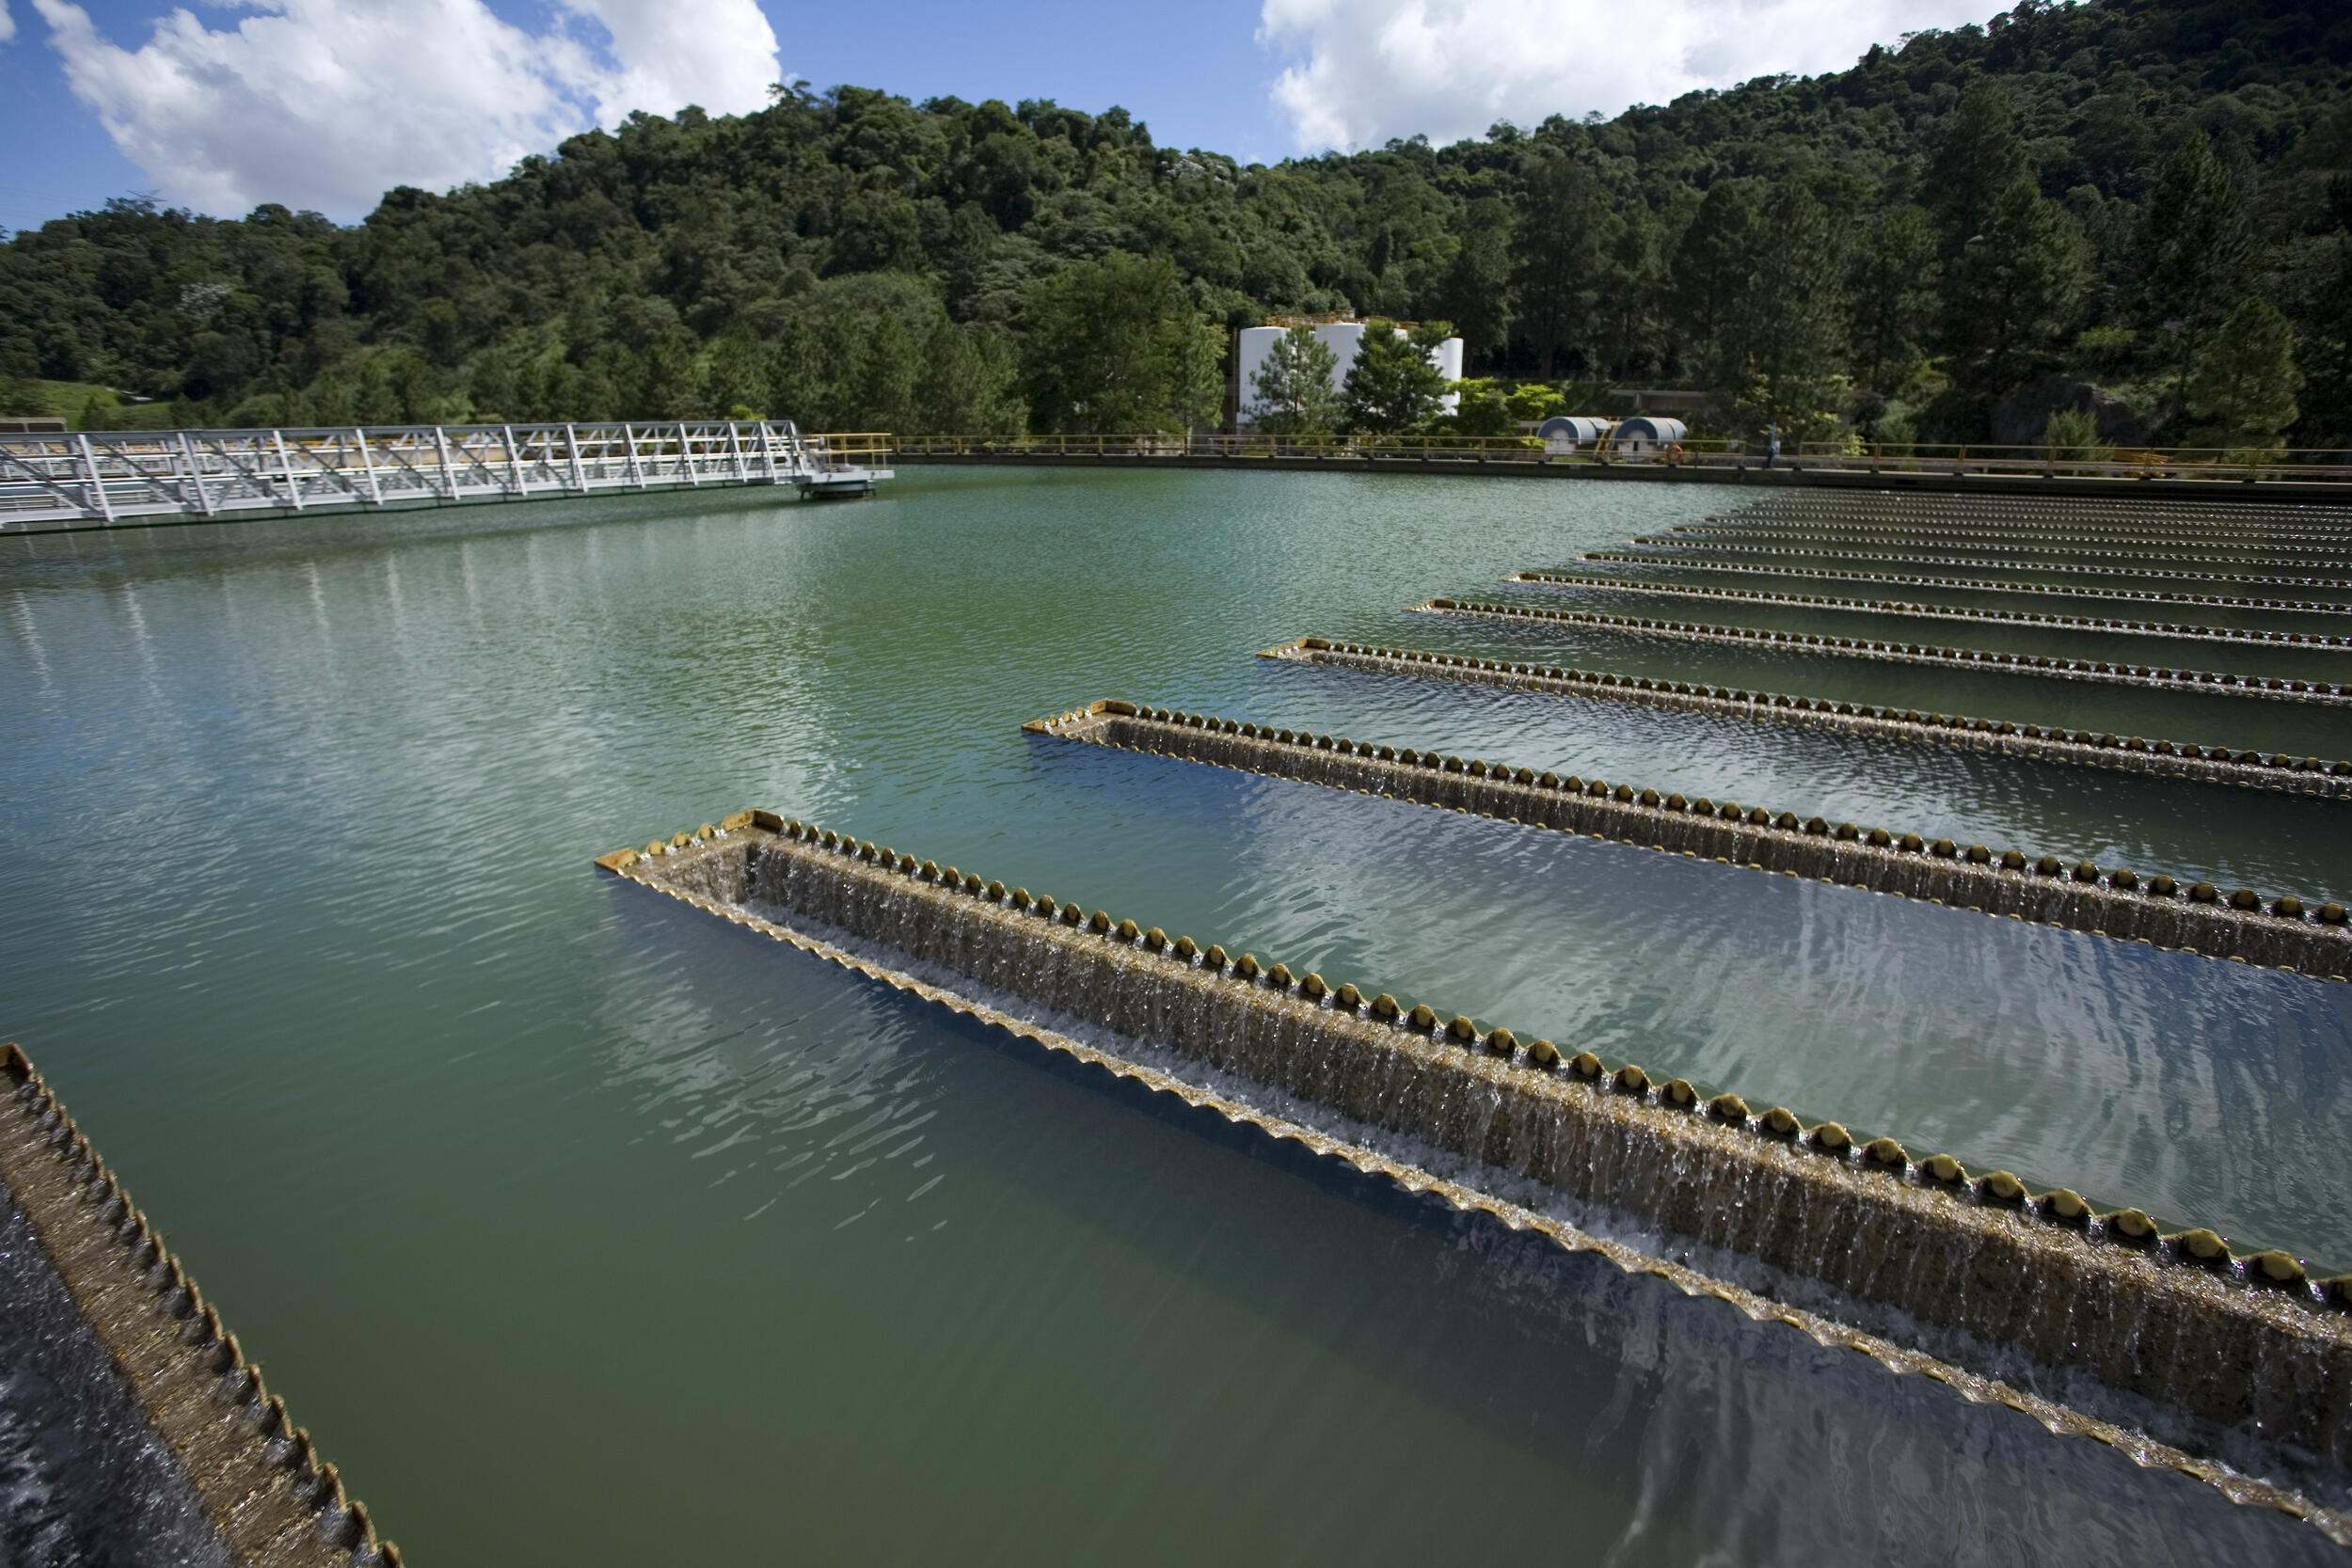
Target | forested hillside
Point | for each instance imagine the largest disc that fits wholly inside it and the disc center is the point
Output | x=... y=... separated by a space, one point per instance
x=2134 y=207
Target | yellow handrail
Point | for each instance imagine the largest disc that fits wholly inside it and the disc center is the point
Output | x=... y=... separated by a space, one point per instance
x=2208 y=463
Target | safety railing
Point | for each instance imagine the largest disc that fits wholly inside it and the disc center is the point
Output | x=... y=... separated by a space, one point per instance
x=104 y=477
x=861 y=448
x=2310 y=464
x=2212 y=464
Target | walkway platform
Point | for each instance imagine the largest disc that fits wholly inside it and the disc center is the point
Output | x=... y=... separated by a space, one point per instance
x=55 y=482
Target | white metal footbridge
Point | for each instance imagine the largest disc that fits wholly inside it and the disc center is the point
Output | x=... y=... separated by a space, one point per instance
x=76 y=480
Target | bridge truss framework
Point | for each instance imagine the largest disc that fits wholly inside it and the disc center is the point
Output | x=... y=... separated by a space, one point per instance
x=81 y=480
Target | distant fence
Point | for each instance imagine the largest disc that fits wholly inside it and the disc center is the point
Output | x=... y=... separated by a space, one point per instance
x=2177 y=464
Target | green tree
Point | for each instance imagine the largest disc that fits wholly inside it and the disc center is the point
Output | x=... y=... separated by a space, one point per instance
x=670 y=379
x=19 y=396
x=1714 y=273
x=546 y=294
x=1533 y=402
x=2071 y=436
x=1475 y=292
x=735 y=382
x=1892 y=283
x=1977 y=158
x=2194 y=245
x=1626 y=309
x=1786 y=338
x=2241 y=394
x=1115 y=345
x=1291 y=393
x=1395 y=385
x=1480 y=409
x=973 y=384
x=1556 y=254
x=2011 y=295
x=2327 y=343
x=878 y=351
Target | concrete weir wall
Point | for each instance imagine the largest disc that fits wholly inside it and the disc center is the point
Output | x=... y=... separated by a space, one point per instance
x=2023 y=588
x=2278 y=934
x=2114 y=753
x=270 y=1498
x=2324 y=559
x=1689 y=552
x=1915 y=610
x=2250 y=1343
x=2276 y=688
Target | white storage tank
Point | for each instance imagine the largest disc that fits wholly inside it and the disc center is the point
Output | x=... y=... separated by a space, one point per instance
x=1449 y=358
x=1342 y=338
x=1250 y=356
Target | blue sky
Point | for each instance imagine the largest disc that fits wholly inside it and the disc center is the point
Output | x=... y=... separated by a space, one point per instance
x=324 y=103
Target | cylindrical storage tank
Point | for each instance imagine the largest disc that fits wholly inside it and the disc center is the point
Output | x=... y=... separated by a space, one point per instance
x=1566 y=432
x=1250 y=356
x=1646 y=435
x=1342 y=338
x=1448 y=358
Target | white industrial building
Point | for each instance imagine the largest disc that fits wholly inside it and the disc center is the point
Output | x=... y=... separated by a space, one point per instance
x=1342 y=338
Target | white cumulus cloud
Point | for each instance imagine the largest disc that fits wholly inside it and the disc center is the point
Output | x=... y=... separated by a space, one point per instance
x=326 y=103
x=7 y=22
x=1356 y=72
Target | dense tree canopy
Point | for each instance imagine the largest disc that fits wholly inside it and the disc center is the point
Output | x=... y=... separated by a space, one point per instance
x=2087 y=191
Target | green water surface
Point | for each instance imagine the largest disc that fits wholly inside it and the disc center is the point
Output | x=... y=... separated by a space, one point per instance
x=580 y=1228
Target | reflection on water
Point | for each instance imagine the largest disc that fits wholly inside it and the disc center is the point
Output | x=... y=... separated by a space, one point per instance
x=2261 y=840
x=295 y=911
x=2304 y=729
x=1194 y=1329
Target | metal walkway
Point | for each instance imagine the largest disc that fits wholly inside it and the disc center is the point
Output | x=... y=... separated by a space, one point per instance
x=50 y=482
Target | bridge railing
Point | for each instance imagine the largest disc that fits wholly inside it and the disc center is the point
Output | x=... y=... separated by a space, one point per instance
x=861 y=448
x=2208 y=463
x=54 y=478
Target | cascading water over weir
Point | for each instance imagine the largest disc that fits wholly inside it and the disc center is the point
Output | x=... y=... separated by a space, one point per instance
x=2284 y=558
x=2106 y=751
x=254 y=1477
x=1948 y=1258
x=2277 y=687
x=2280 y=933
x=1915 y=610
x=2179 y=599
x=1673 y=550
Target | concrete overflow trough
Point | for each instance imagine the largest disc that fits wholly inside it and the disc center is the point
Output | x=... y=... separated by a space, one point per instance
x=2027 y=532
x=1965 y=585
x=2110 y=519
x=1911 y=609
x=2326 y=546
x=1799 y=541
x=1696 y=552
x=2241 y=924
x=2246 y=1343
x=2276 y=772
x=270 y=1498
x=2104 y=672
